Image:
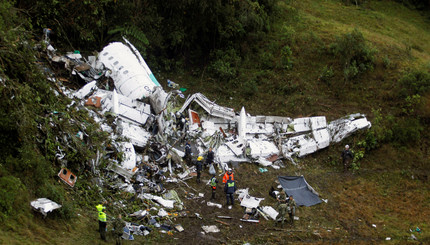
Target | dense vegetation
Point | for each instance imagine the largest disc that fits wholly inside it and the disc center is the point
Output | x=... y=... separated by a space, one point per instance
x=269 y=50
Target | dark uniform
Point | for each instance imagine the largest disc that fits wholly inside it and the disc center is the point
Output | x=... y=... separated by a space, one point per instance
x=282 y=212
x=199 y=167
x=187 y=156
x=291 y=209
x=229 y=189
x=118 y=226
x=209 y=157
x=347 y=157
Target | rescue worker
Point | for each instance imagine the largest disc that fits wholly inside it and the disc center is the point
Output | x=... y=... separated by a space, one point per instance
x=102 y=223
x=199 y=166
x=209 y=157
x=213 y=183
x=282 y=197
x=227 y=175
x=347 y=157
x=187 y=156
x=180 y=121
x=229 y=189
x=282 y=212
x=118 y=227
x=291 y=209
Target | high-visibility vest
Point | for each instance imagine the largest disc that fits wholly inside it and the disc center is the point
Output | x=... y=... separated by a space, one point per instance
x=230 y=184
x=100 y=207
x=102 y=216
x=213 y=183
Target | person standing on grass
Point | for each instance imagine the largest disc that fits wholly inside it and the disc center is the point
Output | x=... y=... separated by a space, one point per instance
x=199 y=167
x=291 y=209
x=230 y=189
x=209 y=157
x=213 y=183
x=118 y=227
x=347 y=157
x=228 y=175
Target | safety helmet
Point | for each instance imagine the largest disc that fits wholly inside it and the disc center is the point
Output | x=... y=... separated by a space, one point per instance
x=347 y=147
x=199 y=158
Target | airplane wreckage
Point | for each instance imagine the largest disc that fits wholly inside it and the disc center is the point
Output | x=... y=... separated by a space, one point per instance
x=154 y=124
x=235 y=137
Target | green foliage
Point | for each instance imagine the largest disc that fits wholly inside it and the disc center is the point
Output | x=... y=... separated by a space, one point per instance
x=353 y=53
x=288 y=34
x=286 y=58
x=326 y=75
x=386 y=61
x=250 y=87
x=414 y=82
x=11 y=190
x=225 y=64
x=134 y=34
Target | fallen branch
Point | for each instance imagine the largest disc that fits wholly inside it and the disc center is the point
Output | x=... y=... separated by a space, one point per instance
x=219 y=221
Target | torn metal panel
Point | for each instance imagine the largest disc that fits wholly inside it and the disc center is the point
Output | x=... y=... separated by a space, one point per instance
x=159 y=99
x=271 y=212
x=86 y=90
x=131 y=78
x=121 y=171
x=160 y=200
x=262 y=148
x=44 y=205
x=137 y=135
x=68 y=177
x=250 y=201
x=344 y=127
x=129 y=155
x=209 y=106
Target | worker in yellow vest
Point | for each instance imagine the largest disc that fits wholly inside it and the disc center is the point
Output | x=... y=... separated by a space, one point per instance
x=102 y=220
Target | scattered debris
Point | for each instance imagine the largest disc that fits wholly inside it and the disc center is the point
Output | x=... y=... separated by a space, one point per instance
x=221 y=222
x=212 y=204
x=68 y=177
x=44 y=205
x=210 y=228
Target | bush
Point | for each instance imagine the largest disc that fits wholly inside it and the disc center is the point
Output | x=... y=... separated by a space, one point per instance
x=353 y=53
x=225 y=64
x=11 y=189
x=326 y=75
x=286 y=57
x=415 y=82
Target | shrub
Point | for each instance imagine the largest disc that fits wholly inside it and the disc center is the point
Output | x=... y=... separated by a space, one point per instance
x=225 y=64
x=286 y=57
x=326 y=74
x=414 y=82
x=353 y=53
x=11 y=189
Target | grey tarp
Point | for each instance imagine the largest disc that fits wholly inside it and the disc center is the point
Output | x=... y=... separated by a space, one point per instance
x=301 y=191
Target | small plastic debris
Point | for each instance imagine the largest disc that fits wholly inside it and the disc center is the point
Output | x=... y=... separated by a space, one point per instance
x=262 y=170
x=179 y=228
x=387 y=238
x=373 y=225
x=212 y=204
x=210 y=228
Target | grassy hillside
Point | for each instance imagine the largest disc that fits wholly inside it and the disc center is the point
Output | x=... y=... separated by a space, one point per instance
x=295 y=72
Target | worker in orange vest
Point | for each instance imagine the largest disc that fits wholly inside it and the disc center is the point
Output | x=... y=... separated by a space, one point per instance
x=227 y=175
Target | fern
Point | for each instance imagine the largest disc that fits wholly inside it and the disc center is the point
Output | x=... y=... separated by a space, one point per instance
x=133 y=34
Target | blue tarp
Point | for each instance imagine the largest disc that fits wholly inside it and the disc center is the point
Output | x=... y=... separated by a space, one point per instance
x=297 y=187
